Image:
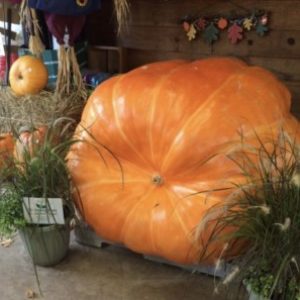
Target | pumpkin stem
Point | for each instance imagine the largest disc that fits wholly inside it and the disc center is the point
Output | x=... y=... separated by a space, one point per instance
x=157 y=179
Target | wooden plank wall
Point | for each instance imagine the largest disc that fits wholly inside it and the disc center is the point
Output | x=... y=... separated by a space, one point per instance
x=154 y=33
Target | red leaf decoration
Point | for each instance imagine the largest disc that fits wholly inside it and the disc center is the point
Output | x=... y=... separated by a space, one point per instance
x=235 y=33
x=201 y=24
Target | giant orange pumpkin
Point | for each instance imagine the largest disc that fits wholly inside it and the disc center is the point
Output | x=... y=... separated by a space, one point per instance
x=28 y=75
x=154 y=137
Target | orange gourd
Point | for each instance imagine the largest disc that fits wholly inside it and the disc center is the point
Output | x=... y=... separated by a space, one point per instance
x=28 y=142
x=6 y=149
x=154 y=137
x=28 y=76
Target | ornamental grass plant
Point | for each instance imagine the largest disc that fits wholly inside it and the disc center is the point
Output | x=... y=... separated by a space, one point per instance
x=38 y=172
x=38 y=169
x=39 y=166
x=265 y=214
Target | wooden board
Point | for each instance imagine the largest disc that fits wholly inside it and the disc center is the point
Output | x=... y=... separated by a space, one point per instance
x=162 y=13
x=15 y=13
x=173 y=39
x=285 y=69
x=155 y=33
x=86 y=236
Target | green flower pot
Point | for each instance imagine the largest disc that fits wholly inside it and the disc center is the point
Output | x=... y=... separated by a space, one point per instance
x=47 y=245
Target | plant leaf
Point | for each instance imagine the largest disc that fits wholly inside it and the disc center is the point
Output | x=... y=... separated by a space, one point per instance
x=6 y=243
x=30 y=294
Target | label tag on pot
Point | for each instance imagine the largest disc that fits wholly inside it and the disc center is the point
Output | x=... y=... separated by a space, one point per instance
x=42 y=211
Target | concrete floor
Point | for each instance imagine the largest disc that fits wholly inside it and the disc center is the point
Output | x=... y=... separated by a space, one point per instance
x=110 y=273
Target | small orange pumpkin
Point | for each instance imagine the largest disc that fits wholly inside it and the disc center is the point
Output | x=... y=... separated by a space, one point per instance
x=28 y=142
x=156 y=136
x=6 y=148
x=28 y=76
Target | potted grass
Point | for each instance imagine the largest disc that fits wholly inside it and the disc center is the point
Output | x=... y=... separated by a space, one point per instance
x=265 y=212
x=38 y=196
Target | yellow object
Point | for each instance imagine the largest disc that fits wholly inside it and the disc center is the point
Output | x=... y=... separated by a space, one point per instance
x=28 y=76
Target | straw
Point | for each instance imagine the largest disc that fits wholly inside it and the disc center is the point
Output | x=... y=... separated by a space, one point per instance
x=69 y=74
x=36 y=45
x=122 y=11
x=37 y=110
x=29 y=18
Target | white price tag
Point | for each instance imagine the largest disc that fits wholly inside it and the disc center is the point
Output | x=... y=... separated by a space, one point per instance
x=42 y=211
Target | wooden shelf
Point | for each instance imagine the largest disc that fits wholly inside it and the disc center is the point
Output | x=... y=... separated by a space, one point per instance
x=121 y=52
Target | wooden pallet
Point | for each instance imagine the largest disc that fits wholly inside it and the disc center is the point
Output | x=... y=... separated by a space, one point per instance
x=86 y=236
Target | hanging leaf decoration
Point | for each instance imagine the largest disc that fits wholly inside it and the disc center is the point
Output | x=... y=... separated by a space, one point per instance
x=264 y=20
x=222 y=23
x=211 y=27
x=261 y=29
x=186 y=26
x=235 y=33
x=201 y=24
x=248 y=23
x=211 y=33
x=192 y=33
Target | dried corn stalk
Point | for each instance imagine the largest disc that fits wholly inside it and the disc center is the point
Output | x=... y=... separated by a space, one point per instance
x=122 y=10
x=29 y=18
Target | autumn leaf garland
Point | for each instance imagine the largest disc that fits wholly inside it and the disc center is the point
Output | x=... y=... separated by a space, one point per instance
x=210 y=28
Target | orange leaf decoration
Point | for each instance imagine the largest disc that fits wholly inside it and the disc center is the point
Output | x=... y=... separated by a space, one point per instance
x=222 y=23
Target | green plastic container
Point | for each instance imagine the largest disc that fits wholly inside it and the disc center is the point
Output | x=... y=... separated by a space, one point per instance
x=47 y=245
